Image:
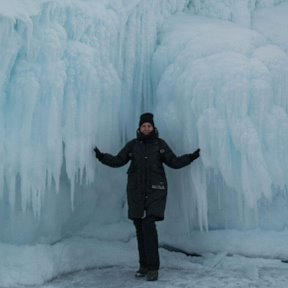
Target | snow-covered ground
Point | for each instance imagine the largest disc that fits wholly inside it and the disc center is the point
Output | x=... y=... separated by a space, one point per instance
x=106 y=256
x=182 y=271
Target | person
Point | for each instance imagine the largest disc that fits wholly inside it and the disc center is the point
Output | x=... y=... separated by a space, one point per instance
x=146 y=187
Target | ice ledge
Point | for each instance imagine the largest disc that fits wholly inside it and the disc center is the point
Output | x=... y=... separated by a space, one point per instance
x=251 y=243
x=82 y=253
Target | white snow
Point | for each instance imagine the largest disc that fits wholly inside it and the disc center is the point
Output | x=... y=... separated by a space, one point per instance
x=211 y=271
x=107 y=257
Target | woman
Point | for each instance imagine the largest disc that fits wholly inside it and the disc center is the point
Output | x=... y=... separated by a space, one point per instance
x=147 y=187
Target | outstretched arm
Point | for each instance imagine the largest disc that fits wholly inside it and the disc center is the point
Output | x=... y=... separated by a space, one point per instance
x=176 y=162
x=114 y=161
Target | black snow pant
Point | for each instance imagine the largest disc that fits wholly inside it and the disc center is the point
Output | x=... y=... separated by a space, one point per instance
x=147 y=239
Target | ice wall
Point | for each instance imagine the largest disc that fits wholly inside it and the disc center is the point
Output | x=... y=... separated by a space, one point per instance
x=233 y=84
x=73 y=74
x=54 y=63
x=237 y=11
x=77 y=73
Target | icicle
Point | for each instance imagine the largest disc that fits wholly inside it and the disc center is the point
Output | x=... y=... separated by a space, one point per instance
x=198 y=176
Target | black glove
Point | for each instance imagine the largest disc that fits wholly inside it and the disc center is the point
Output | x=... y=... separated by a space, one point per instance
x=195 y=155
x=99 y=155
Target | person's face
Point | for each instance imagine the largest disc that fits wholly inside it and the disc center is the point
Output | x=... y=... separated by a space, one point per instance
x=146 y=128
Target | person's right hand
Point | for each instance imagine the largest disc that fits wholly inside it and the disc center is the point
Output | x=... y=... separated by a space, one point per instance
x=99 y=154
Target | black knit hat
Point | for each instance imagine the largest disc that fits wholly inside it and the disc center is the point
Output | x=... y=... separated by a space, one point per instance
x=146 y=117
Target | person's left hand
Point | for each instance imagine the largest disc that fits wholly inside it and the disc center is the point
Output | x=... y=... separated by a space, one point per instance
x=195 y=155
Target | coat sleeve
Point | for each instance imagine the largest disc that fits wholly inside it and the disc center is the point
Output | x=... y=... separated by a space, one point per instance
x=118 y=160
x=171 y=160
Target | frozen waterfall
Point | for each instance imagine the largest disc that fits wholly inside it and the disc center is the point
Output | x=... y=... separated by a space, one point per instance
x=75 y=74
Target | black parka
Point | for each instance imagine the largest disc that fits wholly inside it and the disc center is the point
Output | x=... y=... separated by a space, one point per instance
x=147 y=183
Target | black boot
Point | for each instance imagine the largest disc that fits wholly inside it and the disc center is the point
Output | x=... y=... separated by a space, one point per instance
x=141 y=272
x=152 y=275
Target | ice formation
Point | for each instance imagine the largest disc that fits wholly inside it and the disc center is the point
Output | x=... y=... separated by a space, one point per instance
x=233 y=87
x=74 y=74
